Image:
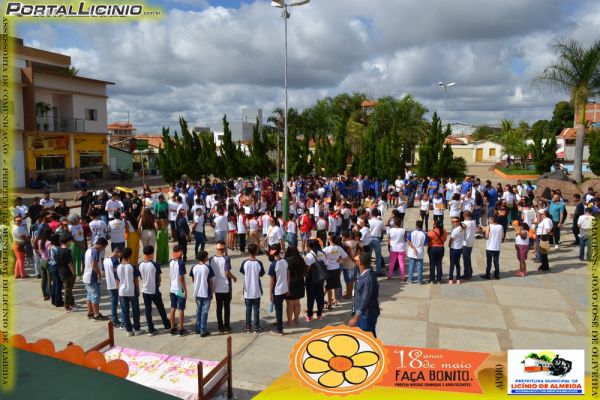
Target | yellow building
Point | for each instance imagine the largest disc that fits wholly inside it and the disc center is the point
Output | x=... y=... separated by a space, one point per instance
x=61 y=119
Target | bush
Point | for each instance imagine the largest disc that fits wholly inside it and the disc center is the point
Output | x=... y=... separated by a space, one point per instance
x=594 y=158
x=457 y=168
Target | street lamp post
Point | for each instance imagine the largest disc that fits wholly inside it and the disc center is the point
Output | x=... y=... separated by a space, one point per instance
x=285 y=15
x=445 y=86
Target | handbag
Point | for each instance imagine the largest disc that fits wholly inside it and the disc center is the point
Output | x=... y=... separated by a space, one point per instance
x=318 y=271
x=544 y=244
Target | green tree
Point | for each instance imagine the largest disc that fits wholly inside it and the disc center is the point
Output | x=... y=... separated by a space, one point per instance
x=167 y=160
x=483 y=132
x=431 y=147
x=594 y=158
x=514 y=140
x=576 y=71
x=562 y=117
x=543 y=149
x=233 y=159
x=258 y=161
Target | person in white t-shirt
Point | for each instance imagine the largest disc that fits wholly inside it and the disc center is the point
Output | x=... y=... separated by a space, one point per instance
x=241 y=230
x=542 y=231
x=397 y=240
x=456 y=243
x=522 y=247
x=377 y=227
x=585 y=223
x=202 y=275
x=424 y=210
x=117 y=231
x=177 y=291
x=470 y=231
x=335 y=253
x=128 y=282
x=279 y=286
x=438 y=208
x=109 y=266
x=253 y=270
x=113 y=205
x=493 y=234
x=416 y=241
x=198 y=230
x=221 y=266
x=98 y=228
x=220 y=225
x=150 y=275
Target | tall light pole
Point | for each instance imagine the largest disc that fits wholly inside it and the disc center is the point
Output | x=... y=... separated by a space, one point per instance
x=445 y=86
x=285 y=15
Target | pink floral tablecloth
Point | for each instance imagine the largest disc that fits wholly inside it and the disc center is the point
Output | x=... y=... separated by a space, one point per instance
x=177 y=376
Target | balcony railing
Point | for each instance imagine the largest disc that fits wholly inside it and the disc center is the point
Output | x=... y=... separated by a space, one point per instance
x=62 y=124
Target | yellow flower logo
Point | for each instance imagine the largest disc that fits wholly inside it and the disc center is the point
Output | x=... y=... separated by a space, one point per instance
x=338 y=360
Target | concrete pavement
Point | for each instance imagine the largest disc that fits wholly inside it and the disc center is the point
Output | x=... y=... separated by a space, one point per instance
x=542 y=310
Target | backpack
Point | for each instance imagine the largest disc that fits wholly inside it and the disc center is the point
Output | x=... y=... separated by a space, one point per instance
x=318 y=271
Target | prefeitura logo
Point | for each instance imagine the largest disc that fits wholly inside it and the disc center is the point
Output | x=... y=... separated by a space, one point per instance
x=338 y=360
x=546 y=371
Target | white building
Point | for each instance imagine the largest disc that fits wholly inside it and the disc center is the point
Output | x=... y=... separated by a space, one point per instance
x=241 y=130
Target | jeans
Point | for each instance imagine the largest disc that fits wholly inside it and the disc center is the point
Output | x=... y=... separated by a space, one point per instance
x=396 y=255
x=220 y=236
x=555 y=237
x=155 y=298
x=492 y=255
x=314 y=292
x=114 y=304
x=477 y=216
x=436 y=255
x=292 y=239
x=278 y=303
x=538 y=255
x=37 y=261
x=376 y=245
x=418 y=263
x=252 y=305
x=242 y=241
x=455 y=255
x=183 y=243
x=200 y=242
x=114 y=246
x=466 y=254
x=46 y=278
x=583 y=243
x=223 y=310
x=424 y=215
x=367 y=323
x=202 y=307
x=135 y=307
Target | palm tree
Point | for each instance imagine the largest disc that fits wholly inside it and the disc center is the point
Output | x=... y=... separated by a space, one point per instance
x=576 y=71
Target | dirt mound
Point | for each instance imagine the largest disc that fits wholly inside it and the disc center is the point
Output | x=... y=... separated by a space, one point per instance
x=567 y=188
x=593 y=183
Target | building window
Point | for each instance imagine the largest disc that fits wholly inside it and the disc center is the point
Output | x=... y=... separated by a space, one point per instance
x=91 y=114
x=49 y=163
x=492 y=152
x=90 y=160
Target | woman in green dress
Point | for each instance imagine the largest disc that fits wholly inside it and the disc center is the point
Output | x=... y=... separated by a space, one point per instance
x=162 y=238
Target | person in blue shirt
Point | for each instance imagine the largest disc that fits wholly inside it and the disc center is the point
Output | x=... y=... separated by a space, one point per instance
x=492 y=197
x=466 y=186
x=433 y=187
x=377 y=188
x=558 y=214
x=366 y=186
x=366 y=296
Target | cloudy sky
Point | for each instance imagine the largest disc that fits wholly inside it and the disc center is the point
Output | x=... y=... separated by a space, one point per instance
x=209 y=57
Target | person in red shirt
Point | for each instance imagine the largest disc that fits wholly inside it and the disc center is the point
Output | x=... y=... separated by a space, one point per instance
x=305 y=228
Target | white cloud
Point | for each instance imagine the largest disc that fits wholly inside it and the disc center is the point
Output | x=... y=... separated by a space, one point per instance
x=212 y=60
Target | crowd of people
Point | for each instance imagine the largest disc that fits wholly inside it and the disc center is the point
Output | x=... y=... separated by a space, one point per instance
x=334 y=228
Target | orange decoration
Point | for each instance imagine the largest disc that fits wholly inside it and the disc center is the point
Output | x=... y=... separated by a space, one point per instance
x=117 y=368
x=18 y=341
x=44 y=347
x=95 y=360
x=73 y=354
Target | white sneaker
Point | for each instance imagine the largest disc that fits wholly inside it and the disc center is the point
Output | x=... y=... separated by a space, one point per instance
x=139 y=332
x=555 y=247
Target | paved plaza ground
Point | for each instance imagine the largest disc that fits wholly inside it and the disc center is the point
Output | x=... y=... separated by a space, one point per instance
x=543 y=310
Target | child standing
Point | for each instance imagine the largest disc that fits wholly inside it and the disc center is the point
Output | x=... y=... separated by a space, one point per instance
x=150 y=275
x=416 y=241
x=253 y=270
x=128 y=282
x=202 y=275
x=178 y=291
x=110 y=269
x=278 y=271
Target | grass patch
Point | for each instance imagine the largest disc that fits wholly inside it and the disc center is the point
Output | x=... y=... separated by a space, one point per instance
x=517 y=171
